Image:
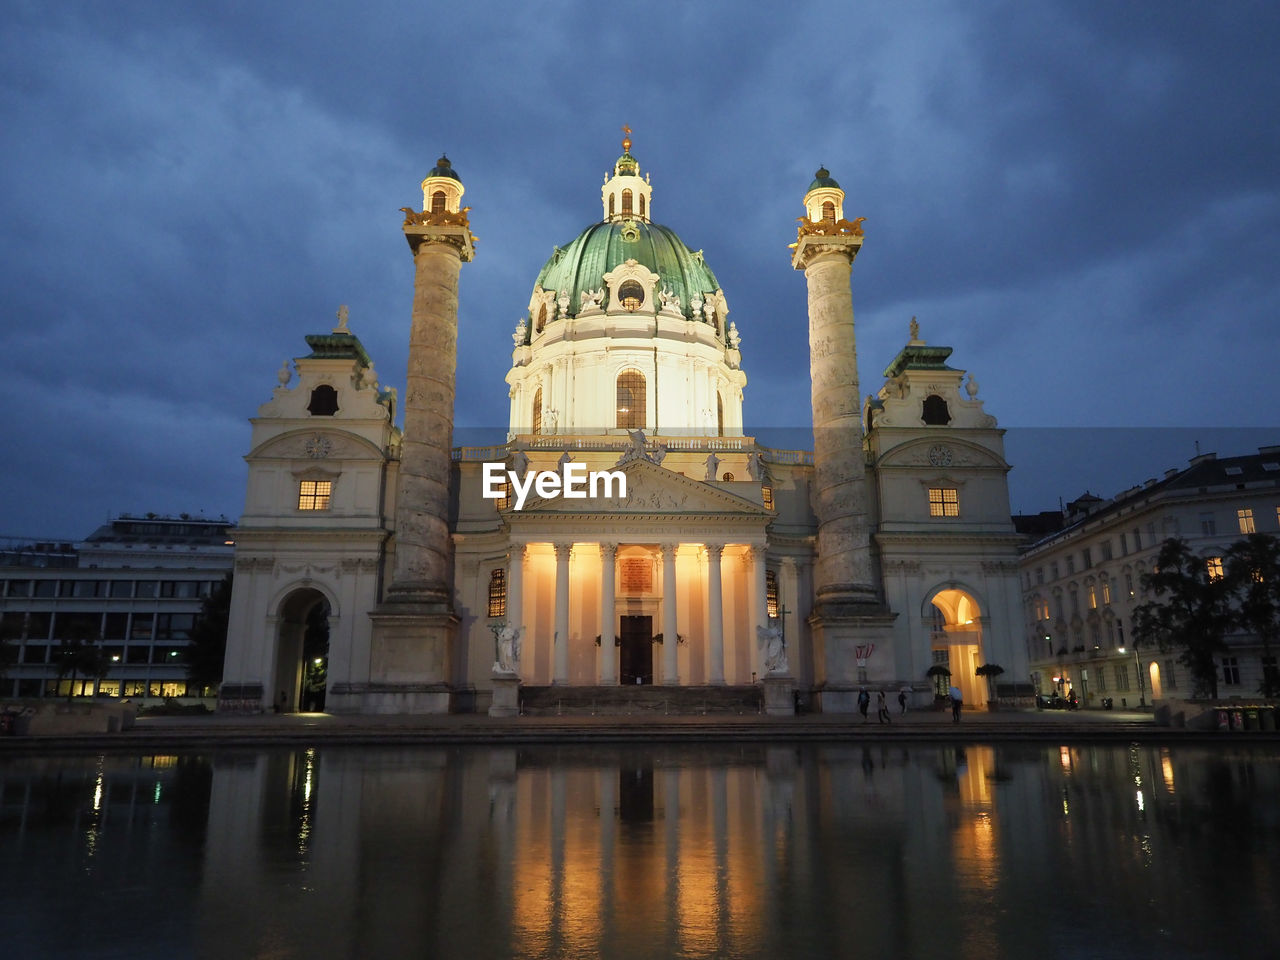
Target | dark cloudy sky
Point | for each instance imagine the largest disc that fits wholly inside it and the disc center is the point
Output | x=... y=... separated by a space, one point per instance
x=1082 y=198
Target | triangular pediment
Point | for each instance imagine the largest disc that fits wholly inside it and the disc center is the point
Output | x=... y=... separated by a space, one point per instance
x=652 y=490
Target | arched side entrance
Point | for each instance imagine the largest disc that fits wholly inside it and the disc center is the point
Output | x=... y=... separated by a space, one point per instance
x=1156 y=687
x=955 y=639
x=302 y=652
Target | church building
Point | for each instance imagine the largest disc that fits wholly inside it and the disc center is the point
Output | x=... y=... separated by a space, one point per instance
x=629 y=533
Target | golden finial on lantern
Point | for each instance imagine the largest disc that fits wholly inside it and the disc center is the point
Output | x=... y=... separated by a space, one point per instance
x=626 y=139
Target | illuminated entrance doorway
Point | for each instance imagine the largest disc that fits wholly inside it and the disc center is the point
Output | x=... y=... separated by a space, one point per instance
x=956 y=640
x=635 y=655
x=302 y=652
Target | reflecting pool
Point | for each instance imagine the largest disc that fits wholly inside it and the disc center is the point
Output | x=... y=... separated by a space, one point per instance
x=729 y=851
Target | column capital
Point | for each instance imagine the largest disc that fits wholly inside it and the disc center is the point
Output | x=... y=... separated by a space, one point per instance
x=713 y=551
x=608 y=550
x=516 y=552
x=562 y=550
x=668 y=549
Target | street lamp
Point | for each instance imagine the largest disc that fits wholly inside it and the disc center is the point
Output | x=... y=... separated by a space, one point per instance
x=1137 y=663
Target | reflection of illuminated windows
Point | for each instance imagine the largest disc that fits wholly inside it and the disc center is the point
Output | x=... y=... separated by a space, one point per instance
x=944 y=502
x=314 y=494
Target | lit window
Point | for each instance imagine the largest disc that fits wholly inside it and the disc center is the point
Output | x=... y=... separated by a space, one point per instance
x=771 y=594
x=642 y=213
x=314 y=494
x=497 y=592
x=1215 y=567
x=437 y=202
x=537 y=411
x=766 y=492
x=626 y=203
x=631 y=295
x=503 y=500
x=611 y=204
x=631 y=400
x=1246 y=521
x=1106 y=592
x=944 y=502
x=720 y=425
x=1093 y=598
x=829 y=211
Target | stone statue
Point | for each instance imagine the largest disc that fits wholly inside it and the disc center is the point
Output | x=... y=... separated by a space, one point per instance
x=915 y=330
x=735 y=338
x=564 y=458
x=659 y=454
x=285 y=374
x=670 y=300
x=695 y=304
x=342 y=320
x=549 y=418
x=521 y=333
x=712 y=463
x=634 y=451
x=590 y=299
x=754 y=470
x=519 y=463
x=773 y=650
x=508 y=661
x=564 y=304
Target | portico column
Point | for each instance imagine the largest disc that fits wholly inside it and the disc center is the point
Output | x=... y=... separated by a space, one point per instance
x=608 y=653
x=715 y=612
x=560 y=668
x=515 y=590
x=759 y=605
x=670 y=639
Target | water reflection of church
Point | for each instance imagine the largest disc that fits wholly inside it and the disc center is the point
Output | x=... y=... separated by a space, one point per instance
x=886 y=550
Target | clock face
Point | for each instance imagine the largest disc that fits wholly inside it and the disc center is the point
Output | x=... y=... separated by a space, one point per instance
x=939 y=455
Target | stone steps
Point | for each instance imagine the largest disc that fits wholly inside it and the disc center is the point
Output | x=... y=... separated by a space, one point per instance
x=640 y=699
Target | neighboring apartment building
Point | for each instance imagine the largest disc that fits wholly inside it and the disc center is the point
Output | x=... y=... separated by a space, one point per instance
x=1082 y=583
x=137 y=583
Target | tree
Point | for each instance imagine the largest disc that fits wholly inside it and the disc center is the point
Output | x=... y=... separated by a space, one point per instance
x=1191 y=612
x=81 y=656
x=990 y=671
x=1253 y=581
x=941 y=676
x=207 y=649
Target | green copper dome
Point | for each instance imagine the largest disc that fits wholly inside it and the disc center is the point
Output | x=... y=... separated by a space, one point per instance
x=582 y=264
x=823 y=179
x=444 y=169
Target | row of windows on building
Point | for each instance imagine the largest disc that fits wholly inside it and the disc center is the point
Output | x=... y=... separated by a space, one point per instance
x=497 y=606
x=1133 y=541
x=44 y=625
x=31 y=687
x=1117 y=679
x=115 y=589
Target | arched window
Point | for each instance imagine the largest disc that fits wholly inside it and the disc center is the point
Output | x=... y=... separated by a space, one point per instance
x=631 y=400
x=626 y=203
x=642 y=213
x=631 y=295
x=934 y=411
x=611 y=204
x=542 y=319
x=719 y=415
x=497 y=592
x=537 y=411
x=438 y=202
x=829 y=211
x=324 y=401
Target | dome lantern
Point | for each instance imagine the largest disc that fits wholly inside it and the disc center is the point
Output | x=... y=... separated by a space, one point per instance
x=626 y=195
x=824 y=199
x=442 y=189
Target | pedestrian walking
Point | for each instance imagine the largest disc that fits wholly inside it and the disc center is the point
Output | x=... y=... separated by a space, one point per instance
x=882 y=707
x=864 y=701
x=902 y=702
x=957 y=701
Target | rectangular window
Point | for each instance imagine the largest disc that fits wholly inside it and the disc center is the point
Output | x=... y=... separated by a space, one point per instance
x=1270 y=675
x=944 y=502
x=89 y=588
x=1053 y=570
x=1122 y=677
x=1124 y=544
x=1106 y=592
x=1101 y=680
x=35 y=653
x=137 y=654
x=1128 y=584
x=1071 y=564
x=122 y=588
x=1093 y=598
x=147 y=588
x=116 y=626
x=766 y=494
x=19 y=588
x=1039 y=575
x=1106 y=550
x=1137 y=539
x=141 y=628
x=174 y=626
x=1169 y=678
x=1120 y=633
x=498 y=592
x=46 y=588
x=1230 y=671
x=180 y=589
x=1207 y=525
x=1246 y=521
x=1088 y=558
x=314 y=494
x=1214 y=565
x=1111 y=633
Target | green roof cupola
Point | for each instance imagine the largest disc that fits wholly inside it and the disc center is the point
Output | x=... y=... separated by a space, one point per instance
x=626 y=195
x=442 y=190
x=825 y=199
